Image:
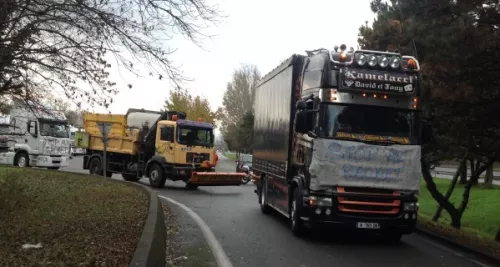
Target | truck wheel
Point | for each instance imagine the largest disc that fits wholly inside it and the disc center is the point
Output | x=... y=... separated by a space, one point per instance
x=22 y=160
x=296 y=224
x=53 y=168
x=156 y=176
x=95 y=166
x=263 y=197
x=130 y=177
x=391 y=237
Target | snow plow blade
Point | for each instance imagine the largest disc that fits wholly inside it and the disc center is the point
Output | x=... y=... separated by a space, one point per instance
x=216 y=178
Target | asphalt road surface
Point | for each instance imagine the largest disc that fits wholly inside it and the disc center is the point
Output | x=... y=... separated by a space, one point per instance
x=252 y=239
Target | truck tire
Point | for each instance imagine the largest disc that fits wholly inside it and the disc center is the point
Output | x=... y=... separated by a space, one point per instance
x=296 y=225
x=130 y=177
x=156 y=176
x=95 y=166
x=263 y=197
x=22 y=160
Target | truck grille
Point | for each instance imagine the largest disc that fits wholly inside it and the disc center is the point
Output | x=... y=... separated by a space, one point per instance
x=375 y=202
x=192 y=157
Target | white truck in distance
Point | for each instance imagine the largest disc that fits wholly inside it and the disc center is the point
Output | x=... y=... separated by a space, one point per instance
x=34 y=136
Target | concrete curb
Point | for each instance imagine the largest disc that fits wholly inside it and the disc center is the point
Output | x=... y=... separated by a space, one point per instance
x=454 y=243
x=151 y=248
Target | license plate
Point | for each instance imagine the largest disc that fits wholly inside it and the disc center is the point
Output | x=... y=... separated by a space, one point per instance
x=366 y=225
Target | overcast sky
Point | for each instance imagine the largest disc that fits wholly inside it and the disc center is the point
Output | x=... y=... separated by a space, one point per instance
x=259 y=32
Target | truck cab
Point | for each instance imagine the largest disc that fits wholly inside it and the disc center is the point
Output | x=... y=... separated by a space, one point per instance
x=35 y=135
x=337 y=140
x=184 y=142
x=362 y=121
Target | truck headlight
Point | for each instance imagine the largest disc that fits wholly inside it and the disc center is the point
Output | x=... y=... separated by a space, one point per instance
x=410 y=206
x=320 y=201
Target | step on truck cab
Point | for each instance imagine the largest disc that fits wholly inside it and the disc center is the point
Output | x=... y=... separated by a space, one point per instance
x=34 y=135
x=158 y=145
x=337 y=141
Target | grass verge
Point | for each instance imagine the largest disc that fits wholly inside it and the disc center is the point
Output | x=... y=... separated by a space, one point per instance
x=186 y=246
x=479 y=222
x=231 y=156
x=79 y=220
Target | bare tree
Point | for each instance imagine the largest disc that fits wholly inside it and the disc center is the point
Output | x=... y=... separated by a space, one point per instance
x=69 y=44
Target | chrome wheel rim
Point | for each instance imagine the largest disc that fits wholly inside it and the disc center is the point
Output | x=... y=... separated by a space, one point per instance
x=21 y=162
x=154 y=175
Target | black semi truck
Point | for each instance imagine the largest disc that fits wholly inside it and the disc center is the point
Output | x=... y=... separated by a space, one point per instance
x=337 y=141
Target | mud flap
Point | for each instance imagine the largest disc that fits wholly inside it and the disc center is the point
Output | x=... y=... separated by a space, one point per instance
x=216 y=178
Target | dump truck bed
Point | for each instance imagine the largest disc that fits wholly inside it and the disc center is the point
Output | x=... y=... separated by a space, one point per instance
x=121 y=139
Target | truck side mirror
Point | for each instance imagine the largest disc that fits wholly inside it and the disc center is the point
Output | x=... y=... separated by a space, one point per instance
x=32 y=128
x=426 y=132
x=302 y=125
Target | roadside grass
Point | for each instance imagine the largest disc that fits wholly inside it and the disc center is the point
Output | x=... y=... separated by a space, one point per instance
x=79 y=220
x=479 y=222
x=181 y=252
x=231 y=156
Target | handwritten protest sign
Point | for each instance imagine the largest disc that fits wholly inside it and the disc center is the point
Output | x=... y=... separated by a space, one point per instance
x=346 y=163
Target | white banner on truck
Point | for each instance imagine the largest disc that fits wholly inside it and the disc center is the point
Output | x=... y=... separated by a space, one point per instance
x=346 y=163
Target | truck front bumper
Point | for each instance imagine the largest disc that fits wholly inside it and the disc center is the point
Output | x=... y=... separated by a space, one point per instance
x=49 y=161
x=331 y=217
x=78 y=151
x=399 y=223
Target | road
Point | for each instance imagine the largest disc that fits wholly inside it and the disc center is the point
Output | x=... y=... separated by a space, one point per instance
x=448 y=173
x=251 y=238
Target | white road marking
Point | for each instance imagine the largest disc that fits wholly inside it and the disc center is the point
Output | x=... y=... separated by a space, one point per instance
x=220 y=255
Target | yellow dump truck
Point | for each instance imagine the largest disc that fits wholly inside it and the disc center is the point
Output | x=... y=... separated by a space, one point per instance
x=158 y=145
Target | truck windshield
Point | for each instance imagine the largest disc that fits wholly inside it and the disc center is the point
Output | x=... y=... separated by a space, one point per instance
x=195 y=136
x=54 y=129
x=365 y=120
